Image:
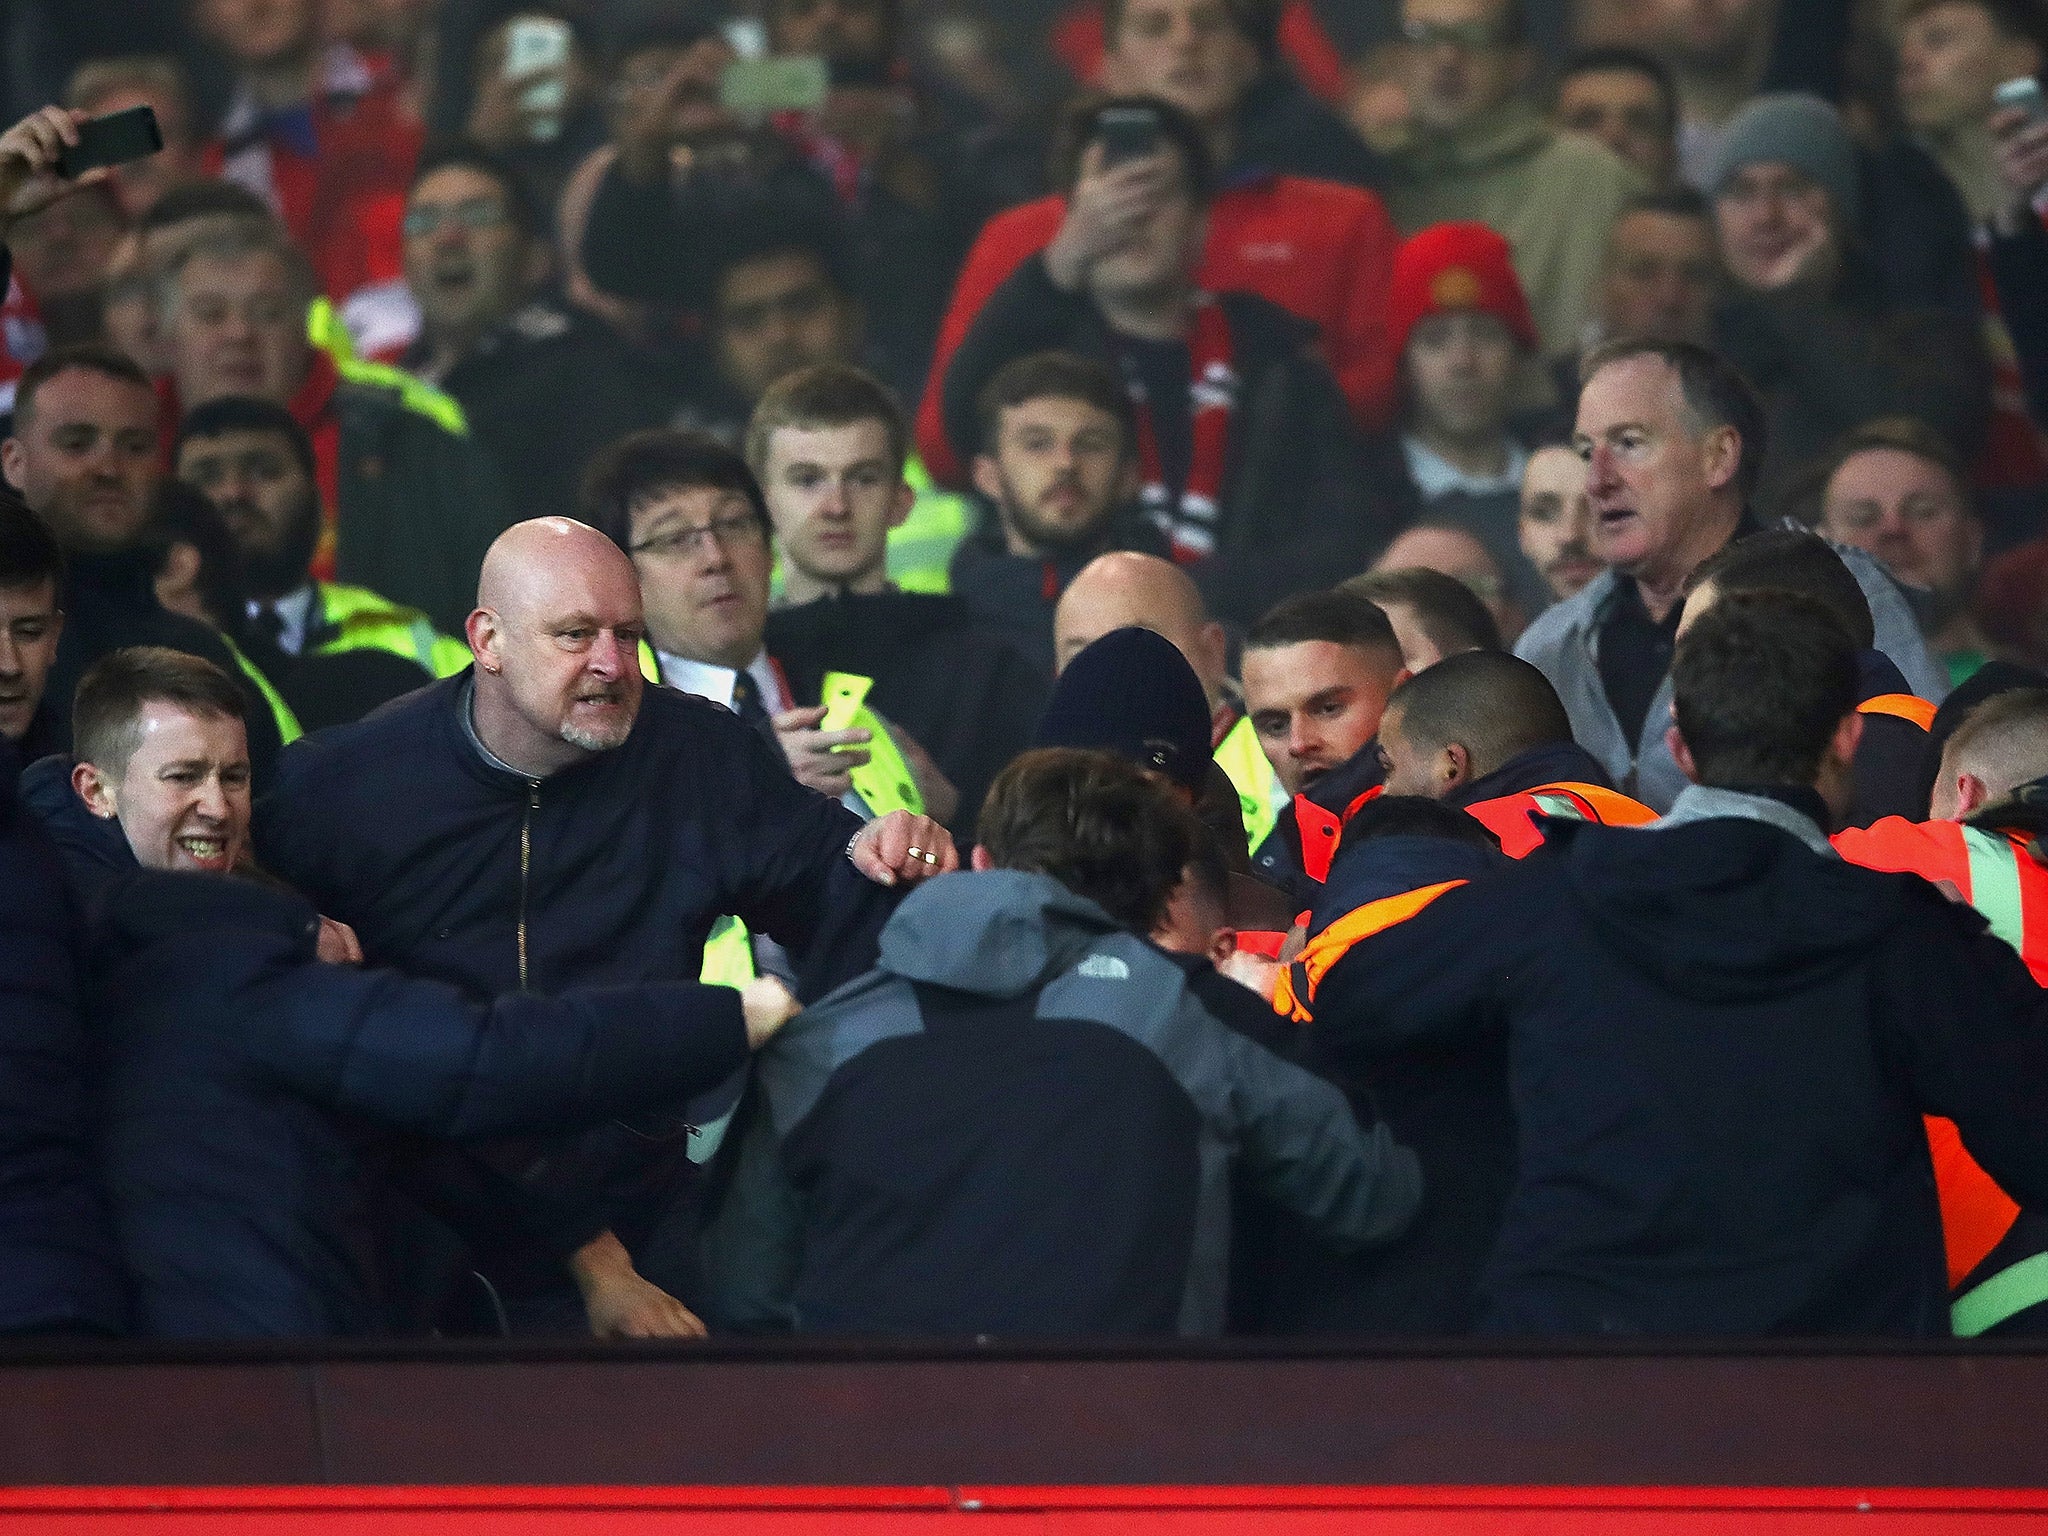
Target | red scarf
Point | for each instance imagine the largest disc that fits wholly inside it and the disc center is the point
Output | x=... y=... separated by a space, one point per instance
x=1190 y=526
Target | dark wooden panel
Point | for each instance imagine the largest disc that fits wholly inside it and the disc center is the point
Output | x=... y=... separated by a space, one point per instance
x=734 y=1415
x=1915 y=1421
x=168 y=1424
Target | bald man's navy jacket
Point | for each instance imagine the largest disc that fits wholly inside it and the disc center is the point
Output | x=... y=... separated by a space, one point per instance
x=611 y=871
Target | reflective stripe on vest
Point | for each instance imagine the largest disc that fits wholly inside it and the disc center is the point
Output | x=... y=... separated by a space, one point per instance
x=2011 y=1290
x=920 y=552
x=288 y=727
x=1902 y=706
x=1976 y=1214
x=1294 y=995
x=367 y=621
x=885 y=780
x=728 y=962
x=1995 y=884
x=1508 y=818
x=1259 y=797
x=326 y=332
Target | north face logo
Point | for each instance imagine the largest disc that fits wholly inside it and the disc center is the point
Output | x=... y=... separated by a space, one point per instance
x=1103 y=968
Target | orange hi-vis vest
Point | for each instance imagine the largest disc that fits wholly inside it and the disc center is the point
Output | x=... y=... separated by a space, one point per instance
x=2003 y=881
x=1295 y=993
x=1321 y=831
x=1512 y=818
x=1906 y=706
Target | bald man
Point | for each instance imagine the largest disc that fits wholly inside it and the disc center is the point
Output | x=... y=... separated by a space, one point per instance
x=543 y=821
x=1126 y=589
x=1453 y=551
x=1485 y=732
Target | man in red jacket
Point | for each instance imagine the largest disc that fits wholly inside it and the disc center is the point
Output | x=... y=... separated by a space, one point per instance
x=318 y=133
x=1322 y=250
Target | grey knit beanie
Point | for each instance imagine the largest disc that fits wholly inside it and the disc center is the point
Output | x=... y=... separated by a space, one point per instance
x=1801 y=131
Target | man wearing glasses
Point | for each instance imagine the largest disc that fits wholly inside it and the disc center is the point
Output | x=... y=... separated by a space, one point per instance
x=691 y=515
x=1478 y=150
x=543 y=389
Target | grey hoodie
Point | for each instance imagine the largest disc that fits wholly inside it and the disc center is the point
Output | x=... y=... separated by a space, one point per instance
x=1010 y=935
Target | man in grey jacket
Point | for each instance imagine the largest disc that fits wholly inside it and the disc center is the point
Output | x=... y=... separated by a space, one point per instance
x=1023 y=1120
x=1674 y=440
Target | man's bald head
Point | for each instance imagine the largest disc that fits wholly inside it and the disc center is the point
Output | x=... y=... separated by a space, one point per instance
x=2001 y=744
x=530 y=561
x=556 y=633
x=1126 y=590
x=1464 y=718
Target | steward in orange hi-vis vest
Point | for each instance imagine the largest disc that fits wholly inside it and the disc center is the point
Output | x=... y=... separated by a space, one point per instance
x=1997 y=1254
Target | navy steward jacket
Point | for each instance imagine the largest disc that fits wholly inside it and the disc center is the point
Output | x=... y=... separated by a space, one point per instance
x=244 y=1084
x=1023 y=1122
x=1719 y=1042
x=610 y=872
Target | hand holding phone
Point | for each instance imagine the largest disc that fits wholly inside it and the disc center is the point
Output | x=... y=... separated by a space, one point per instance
x=537 y=50
x=115 y=139
x=2019 y=132
x=31 y=154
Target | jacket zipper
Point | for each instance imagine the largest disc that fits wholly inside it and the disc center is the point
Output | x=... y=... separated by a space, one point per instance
x=526 y=868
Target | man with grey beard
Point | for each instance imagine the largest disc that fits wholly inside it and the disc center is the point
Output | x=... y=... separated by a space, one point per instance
x=544 y=821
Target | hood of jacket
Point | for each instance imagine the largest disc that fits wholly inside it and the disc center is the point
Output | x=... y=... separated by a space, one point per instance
x=998 y=933
x=1555 y=762
x=1727 y=900
x=95 y=850
x=1877 y=674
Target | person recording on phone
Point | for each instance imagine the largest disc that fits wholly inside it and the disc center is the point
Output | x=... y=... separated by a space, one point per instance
x=1249 y=462
x=2017 y=248
x=825 y=128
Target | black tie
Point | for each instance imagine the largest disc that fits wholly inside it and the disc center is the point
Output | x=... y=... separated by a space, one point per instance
x=746 y=703
x=267 y=629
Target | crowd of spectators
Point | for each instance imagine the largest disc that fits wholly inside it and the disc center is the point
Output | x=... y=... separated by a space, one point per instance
x=916 y=666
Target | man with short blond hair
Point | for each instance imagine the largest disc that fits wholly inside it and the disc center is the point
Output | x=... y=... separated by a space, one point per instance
x=828 y=446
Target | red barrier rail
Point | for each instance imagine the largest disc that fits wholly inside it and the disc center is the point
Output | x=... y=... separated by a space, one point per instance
x=1095 y=1511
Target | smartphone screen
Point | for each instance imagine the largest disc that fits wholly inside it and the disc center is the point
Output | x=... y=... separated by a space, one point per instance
x=2024 y=92
x=1127 y=133
x=759 y=87
x=539 y=45
x=112 y=140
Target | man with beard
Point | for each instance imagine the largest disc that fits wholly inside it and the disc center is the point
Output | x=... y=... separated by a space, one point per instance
x=1057 y=471
x=1556 y=527
x=335 y=652
x=544 y=821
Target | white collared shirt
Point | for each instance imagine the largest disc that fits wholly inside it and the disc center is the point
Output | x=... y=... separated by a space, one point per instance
x=708 y=680
x=295 y=611
x=1435 y=476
